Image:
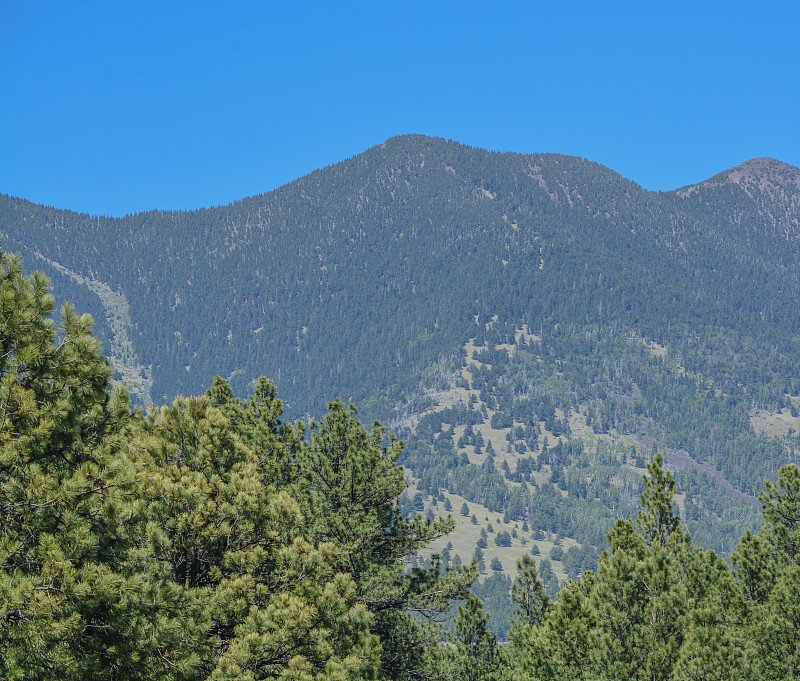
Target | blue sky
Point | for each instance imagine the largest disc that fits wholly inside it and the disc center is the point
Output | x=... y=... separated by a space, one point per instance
x=115 y=107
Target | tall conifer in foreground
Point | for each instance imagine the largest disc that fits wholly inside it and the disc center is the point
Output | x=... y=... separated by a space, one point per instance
x=768 y=573
x=351 y=484
x=65 y=608
x=656 y=604
x=248 y=592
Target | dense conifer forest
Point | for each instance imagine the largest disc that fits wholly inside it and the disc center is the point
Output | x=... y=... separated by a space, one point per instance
x=567 y=358
x=211 y=539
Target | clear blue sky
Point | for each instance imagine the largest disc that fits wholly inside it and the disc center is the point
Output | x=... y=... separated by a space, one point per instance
x=114 y=107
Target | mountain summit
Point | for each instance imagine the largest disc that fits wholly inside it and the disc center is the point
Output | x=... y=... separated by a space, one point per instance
x=771 y=186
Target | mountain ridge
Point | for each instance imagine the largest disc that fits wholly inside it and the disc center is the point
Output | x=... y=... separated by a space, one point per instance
x=750 y=164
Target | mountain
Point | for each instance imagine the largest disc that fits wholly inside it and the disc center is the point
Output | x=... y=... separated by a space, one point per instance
x=404 y=244
x=542 y=298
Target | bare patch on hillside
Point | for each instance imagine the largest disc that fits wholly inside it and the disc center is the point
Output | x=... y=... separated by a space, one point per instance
x=775 y=424
x=657 y=350
x=135 y=376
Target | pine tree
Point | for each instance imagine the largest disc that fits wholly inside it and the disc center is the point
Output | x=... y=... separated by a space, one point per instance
x=657 y=519
x=642 y=592
x=776 y=629
x=710 y=650
x=781 y=511
x=352 y=484
x=528 y=594
x=477 y=556
x=472 y=653
x=69 y=610
x=243 y=588
x=767 y=567
x=656 y=605
x=557 y=648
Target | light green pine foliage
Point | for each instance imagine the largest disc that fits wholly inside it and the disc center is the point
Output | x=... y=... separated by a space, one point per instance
x=256 y=597
x=67 y=608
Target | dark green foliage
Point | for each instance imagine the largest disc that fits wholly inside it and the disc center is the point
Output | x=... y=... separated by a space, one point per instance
x=781 y=504
x=352 y=482
x=657 y=520
x=528 y=594
x=477 y=556
x=495 y=594
x=549 y=578
x=768 y=572
x=472 y=653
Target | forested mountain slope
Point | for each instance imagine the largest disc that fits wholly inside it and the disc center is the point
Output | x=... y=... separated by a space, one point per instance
x=652 y=319
x=346 y=279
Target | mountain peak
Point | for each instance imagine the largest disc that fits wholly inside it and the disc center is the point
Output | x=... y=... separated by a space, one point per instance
x=765 y=173
x=757 y=177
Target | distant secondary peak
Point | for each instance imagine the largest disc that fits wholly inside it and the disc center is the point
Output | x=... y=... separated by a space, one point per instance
x=765 y=173
x=757 y=176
